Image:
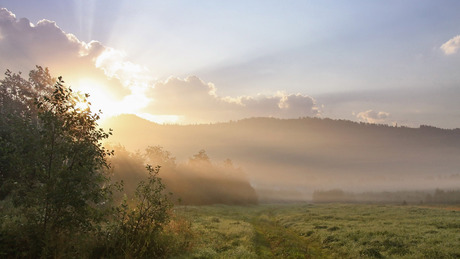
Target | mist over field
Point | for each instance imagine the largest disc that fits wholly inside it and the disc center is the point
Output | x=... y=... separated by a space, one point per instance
x=229 y=129
x=289 y=159
x=278 y=60
x=197 y=181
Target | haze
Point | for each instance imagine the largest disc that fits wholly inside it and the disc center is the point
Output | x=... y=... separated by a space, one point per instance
x=290 y=159
x=209 y=66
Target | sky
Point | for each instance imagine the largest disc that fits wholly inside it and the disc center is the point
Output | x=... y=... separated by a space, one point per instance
x=391 y=62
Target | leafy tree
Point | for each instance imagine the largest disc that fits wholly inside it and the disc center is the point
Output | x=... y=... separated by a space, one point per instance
x=73 y=159
x=52 y=159
x=19 y=123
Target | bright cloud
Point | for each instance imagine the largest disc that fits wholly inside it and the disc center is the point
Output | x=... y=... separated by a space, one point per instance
x=198 y=101
x=25 y=42
x=114 y=64
x=372 y=116
x=25 y=45
x=451 y=46
x=117 y=85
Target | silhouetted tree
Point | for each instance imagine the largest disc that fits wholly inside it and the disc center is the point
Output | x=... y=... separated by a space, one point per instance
x=201 y=158
x=228 y=163
x=157 y=155
x=19 y=124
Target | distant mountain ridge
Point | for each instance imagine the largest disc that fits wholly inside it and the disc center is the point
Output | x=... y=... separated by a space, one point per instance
x=301 y=155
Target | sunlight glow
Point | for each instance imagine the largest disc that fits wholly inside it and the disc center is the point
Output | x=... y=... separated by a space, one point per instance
x=160 y=119
x=99 y=99
x=82 y=105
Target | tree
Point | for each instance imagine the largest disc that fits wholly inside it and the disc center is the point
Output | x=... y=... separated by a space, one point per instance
x=200 y=159
x=73 y=159
x=18 y=123
x=52 y=159
x=157 y=155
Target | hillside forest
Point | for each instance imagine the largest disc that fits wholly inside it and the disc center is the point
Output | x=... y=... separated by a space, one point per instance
x=291 y=159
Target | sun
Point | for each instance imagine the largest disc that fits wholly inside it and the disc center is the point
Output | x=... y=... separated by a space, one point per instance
x=82 y=104
x=99 y=98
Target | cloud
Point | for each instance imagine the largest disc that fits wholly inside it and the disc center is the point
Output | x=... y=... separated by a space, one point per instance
x=90 y=67
x=25 y=42
x=371 y=116
x=113 y=63
x=120 y=86
x=25 y=45
x=451 y=46
x=198 y=101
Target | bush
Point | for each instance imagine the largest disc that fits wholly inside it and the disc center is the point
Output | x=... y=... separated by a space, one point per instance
x=137 y=228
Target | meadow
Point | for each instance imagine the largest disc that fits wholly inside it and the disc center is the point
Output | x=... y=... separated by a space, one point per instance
x=323 y=231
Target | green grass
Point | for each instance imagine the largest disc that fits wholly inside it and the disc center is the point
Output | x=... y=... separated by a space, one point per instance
x=323 y=231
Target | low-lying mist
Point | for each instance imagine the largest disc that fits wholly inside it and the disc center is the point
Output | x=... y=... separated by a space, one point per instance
x=197 y=181
x=290 y=159
x=397 y=197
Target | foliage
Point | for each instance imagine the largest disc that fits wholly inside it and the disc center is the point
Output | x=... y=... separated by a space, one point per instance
x=52 y=160
x=54 y=191
x=137 y=229
x=143 y=226
x=19 y=124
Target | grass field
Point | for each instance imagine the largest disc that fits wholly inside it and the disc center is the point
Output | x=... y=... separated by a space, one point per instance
x=323 y=231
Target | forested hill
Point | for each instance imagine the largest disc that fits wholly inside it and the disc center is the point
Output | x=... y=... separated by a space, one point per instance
x=297 y=156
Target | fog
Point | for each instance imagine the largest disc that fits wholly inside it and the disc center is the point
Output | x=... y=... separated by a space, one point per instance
x=196 y=181
x=291 y=159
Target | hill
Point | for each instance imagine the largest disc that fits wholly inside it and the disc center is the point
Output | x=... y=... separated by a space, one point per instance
x=294 y=157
